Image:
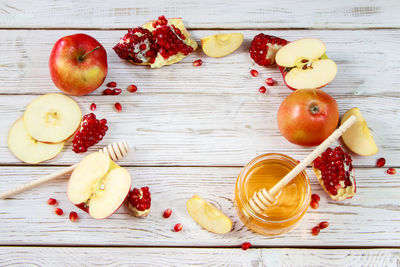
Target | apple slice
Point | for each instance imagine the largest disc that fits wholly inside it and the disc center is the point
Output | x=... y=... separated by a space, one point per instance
x=52 y=118
x=220 y=45
x=98 y=185
x=358 y=137
x=208 y=216
x=304 y=64
x=27 y=149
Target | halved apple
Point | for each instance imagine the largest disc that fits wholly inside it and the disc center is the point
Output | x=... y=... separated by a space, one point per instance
x=220 y=45
x=27 y=149
x=304 y=64
x=208 y=216
x=98 y=185
x=358 y=137
x=52 y=118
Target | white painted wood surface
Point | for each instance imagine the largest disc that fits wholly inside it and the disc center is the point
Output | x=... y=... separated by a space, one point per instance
x=64 y=256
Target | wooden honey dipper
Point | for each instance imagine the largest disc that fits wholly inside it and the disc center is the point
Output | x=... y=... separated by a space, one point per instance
x=263 y=198
x=116 y=151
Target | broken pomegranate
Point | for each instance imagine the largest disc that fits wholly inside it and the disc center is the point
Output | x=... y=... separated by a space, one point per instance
x=90 y=133
x=139 y=201
x=264 y=47
x=335 y=173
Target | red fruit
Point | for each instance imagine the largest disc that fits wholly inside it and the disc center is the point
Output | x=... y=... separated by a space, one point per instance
x=118 y=107
x=246 y=245
x=58 y=211
x=178 y=227
x=314 y=204
x=391 y=171
x=93 y=107
x=73 y=216
x=335 y=173
x=197 y=63
x=380 y=162
x=139 y=201
x=263 y=48
x=51 y=201
x=254 y=73
x=111 y=84
x=116 y=91
x=315 y=197
x=107 y=92
x=167 y=213
x=132 y=88
x=315 y=230
x=91 y=132
x=270 y=81
x=323 y=225
x=262 y=89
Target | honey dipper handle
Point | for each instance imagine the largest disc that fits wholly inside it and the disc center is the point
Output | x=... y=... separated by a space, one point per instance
x=313 y=155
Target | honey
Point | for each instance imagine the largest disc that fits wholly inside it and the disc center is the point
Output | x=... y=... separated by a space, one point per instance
x=292 y=201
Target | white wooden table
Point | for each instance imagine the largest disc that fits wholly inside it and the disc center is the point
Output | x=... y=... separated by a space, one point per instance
x=192 y=129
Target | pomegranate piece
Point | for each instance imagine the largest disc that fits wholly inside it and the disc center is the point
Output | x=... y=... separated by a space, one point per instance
x=270 y=81
x=380 y=162
x=262 y=89
x=315 y=230
x=58 y=211
x=314 y=204
x=264 y=47
x=90 y=133
x=116 y=91
x=197 y=63
x=139 y=201
x=335 y=173
x=107 y=92
x=391 y=171
x=93 y=107
x=178 y=227
x=246 y=245
x=73 y=216
x=167 y=213
x=112 y=84
x=132 y=88
x=51 y=201
x=315 y=197
x=118 y=107
x=254 y=73
x=323 y=225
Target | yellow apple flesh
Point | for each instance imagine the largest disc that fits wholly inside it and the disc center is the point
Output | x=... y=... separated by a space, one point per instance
x=220 y=45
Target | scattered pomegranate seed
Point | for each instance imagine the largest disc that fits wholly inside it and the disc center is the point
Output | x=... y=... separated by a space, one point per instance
x=246 y=245
x=254 y=73
x=315 y=230
x=315 y=197
x=197 y=63
x=111 y=84
x=118 y=107
x=116 y=91
x=262 y=89
x=380 y=162
x=270 y=81
x=93 y=107
x=323 y=225
x=314 y=204
x=107 y=92
x=58 y=211
x=73 y=216
x=132 y=88
x=51 y=201
x=139 y=201
x=391 y=171
x=167 y=213
x=178 y=227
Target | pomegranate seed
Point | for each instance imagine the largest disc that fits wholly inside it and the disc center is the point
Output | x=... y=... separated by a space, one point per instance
x=270 y=81
x=391 y=171
x=254 y=73
x=380 y=162
x=59 y=211
x=107 y=92
x=167 y=213
x=139 y=201
x=93 y=107
x=315 y=230
x=118 y=107
x=315 y=197
x=178 y=227
x=197 y=63
x=111 y=84
x=116 y=91
x=314 y=204
x=51 y=201
x=323 y=225
x=246 y=245
x=262 y=89
x=132 y=88
x=73 y=216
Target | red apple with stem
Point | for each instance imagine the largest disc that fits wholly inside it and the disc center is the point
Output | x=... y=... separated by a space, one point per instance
x=308 y=116
x=78 y=64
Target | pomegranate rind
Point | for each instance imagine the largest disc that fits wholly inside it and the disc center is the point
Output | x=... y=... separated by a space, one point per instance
x=342 y=193
x=138 y=213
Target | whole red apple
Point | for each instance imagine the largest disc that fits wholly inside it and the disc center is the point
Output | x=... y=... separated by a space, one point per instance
x=78 y=64
x=307 y=117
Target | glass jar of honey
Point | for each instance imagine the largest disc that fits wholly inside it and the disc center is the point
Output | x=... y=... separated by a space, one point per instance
x=291 y=202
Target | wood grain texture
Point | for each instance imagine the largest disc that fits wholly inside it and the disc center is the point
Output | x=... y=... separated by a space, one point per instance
x=63 y=256
x=370 y=219
x=200 y=13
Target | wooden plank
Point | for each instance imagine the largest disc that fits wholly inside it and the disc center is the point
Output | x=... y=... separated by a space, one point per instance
x=65 y=256
x=370 y=219
x=201 y=14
